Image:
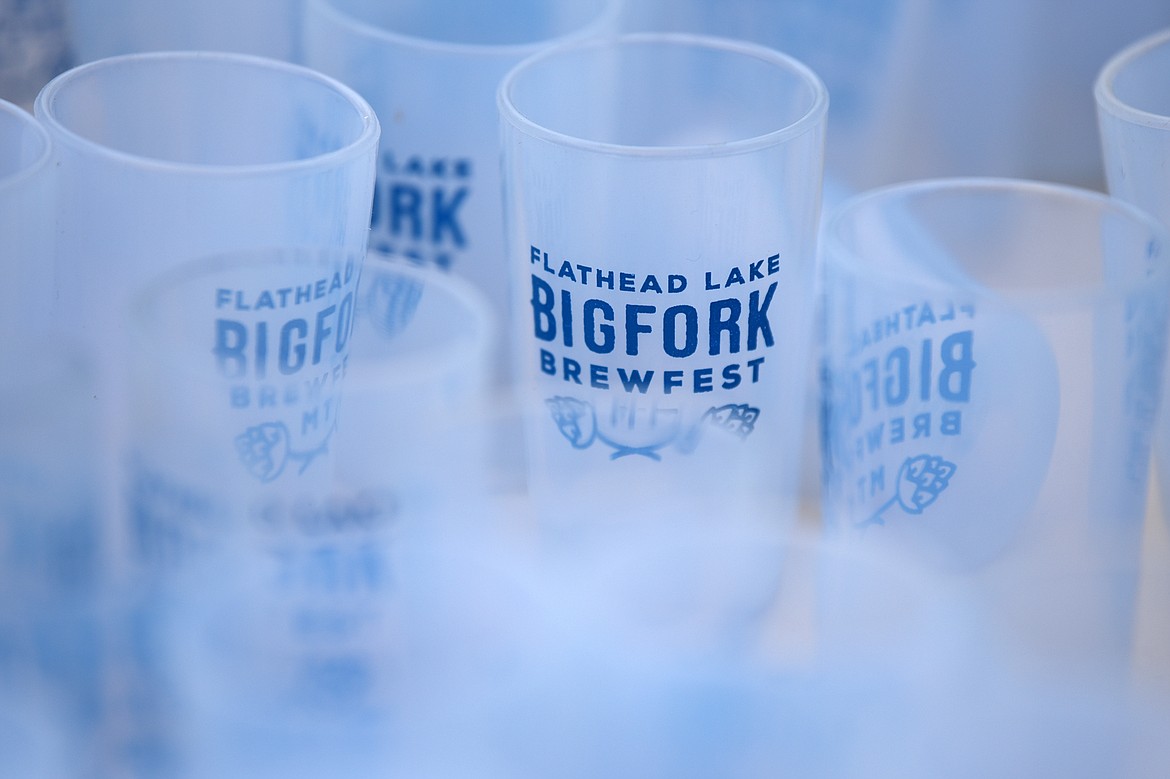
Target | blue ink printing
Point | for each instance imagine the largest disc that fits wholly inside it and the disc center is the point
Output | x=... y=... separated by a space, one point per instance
x=921 y=480
x=264 y=449
x=630 y=430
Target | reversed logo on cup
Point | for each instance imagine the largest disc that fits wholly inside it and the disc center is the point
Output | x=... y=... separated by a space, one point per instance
x=927 y=415
x=280 y=345
x=390 y=301
x=631 y=428
x=921 y=480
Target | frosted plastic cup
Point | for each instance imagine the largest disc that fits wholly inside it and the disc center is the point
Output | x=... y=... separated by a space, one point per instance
x=992 y=365
x=26 y=235
x=430 y=69
x=1133 y=113
x=165 y=157
x=662 y=219
x=237 y=367
x=413 y=426
x=106 y=28
x=294 y=659
x=1134 y=118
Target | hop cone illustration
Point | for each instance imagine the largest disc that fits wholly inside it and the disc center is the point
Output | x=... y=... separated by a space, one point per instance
x=737 y=418
x=921 y=480
x=264 y=449
x=575 y=419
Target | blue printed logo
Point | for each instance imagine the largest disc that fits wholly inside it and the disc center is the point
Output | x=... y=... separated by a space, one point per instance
x=391 y=301
x=264 y=449
x=418 y=208
x=921 y=480
x=636 y=430
x=738 y=419
x=575 y=419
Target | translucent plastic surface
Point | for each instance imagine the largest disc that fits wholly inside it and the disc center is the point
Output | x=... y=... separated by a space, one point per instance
x=26 y=236
x=257 y=344
x=662 y=219
x=1133 y=111
x=163 y=158
x=430 y=69
x=993 y=355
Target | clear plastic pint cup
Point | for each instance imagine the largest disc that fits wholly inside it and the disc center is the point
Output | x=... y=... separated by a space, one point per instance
x=992 y=366
x=662 y=194
x=166 y=157
x=235 y=390
x=163 y=158
x=1133 y=113
x=430 y=70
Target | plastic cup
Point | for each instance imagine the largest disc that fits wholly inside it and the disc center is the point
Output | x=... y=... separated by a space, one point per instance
x=291 y=659
x=430 y=69
x=236 y=368
x=26 y=218
x=106 y=28
x=412 y=429
x=163 y=158
x=993 y=353
x=1133 y=113
x=236 y=373
x=662 y=218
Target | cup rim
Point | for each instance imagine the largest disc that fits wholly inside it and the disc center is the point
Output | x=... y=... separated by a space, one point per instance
x=22 y=117
x=606 y=10
x=1103 y=89
x=366 y=140
x=834 y=250
x=813 y=117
